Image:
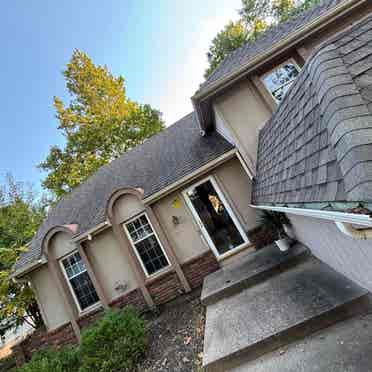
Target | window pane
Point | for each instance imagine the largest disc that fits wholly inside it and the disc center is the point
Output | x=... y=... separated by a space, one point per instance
x=151 y=254
x=73 y=265
x=84 y=290
x=147 y=245
x=279 y=80
x=80 y=281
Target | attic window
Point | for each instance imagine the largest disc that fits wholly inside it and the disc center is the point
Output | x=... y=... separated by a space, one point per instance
x=279 y=80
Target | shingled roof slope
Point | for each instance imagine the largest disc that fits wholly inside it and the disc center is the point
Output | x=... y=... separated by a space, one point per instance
x=242 y=55
x=158 y=162
x=317 y=147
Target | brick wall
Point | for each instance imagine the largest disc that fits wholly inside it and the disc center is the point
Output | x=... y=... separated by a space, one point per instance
x=162 y=289
x=41 y=339
x=198 y=268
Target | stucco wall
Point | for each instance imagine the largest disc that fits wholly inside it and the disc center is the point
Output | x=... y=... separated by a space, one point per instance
x=109 y=264
x=61 y=244
x=236 y=186
x=244 y=112
x=185 y=237
x=49 y=297
x=126 y=207
x=351 y=257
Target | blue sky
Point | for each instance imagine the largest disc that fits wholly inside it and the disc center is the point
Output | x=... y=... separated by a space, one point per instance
x=158 y=46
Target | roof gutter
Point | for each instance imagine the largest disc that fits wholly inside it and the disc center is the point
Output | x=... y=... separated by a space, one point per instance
x=286 y=43
x=340 y=217
x=28 y=268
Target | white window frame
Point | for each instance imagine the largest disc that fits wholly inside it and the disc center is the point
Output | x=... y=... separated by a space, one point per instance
x=133 y=244
x=201 y=224
x=89 y=308
x=290 y=60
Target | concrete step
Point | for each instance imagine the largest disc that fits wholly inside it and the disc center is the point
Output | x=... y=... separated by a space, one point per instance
x=249 y=270
x=286 y=307
x=345 y=346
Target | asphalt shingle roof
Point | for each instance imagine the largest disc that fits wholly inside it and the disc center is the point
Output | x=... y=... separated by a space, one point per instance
x=317 y=147
x=242 y=55
x=158 y=162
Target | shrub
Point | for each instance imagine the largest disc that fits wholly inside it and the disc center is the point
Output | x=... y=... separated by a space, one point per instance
x=65 y=359
x=114 y=343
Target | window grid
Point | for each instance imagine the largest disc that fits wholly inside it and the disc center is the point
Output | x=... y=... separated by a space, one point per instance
x=146 y=245
x=280 y=79
x=79 y=280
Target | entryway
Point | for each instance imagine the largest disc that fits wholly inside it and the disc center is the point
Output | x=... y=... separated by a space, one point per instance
x=217 y=221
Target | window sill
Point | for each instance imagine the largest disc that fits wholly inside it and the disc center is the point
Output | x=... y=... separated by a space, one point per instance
x=91 y=309
x=163 y=272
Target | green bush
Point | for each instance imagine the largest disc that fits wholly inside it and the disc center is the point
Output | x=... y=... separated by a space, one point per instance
x=65 y=359
x=114 y=343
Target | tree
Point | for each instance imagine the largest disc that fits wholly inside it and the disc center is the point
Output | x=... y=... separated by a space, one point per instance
x=21 y=213
x=230 y=38
x=99 y=124
x=256 y=16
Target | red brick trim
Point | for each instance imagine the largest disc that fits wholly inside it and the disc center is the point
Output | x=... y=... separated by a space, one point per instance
x=199 y=267
x=41 y=339
x=165 y=288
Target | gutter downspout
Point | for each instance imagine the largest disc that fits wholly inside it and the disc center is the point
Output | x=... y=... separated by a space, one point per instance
x=349 y=230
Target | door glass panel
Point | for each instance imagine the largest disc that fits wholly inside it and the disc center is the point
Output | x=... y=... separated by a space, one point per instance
x=215 y=217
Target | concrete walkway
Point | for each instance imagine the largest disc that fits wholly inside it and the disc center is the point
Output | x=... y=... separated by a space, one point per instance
x=268 y=303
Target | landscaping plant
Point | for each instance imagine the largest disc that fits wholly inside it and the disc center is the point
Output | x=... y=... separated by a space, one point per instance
x=116 y=342
x=65 y=359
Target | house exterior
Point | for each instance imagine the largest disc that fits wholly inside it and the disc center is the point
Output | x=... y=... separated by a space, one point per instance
x=153 y=223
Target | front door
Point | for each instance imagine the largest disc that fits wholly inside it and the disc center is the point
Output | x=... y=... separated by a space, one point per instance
x=217 y=222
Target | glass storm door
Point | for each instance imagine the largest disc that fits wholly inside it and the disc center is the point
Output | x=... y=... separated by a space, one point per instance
x=214 y=216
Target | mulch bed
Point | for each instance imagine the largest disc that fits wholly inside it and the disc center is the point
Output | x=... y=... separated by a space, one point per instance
x=176 y=336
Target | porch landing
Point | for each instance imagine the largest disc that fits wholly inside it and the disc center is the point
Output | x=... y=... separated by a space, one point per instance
x=283 y=306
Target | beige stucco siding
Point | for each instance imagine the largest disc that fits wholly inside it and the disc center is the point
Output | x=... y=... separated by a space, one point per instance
x=61 y=245
x=49 y=298
x=244 y=112
x=185 y=237
x=110 y=265
x=126 y=207
x=351 y=257
x=236 y=186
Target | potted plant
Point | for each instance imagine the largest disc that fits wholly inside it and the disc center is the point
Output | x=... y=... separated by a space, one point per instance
x=279 y=223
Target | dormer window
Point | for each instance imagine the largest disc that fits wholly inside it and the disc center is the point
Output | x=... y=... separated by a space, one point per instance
x=278 y=80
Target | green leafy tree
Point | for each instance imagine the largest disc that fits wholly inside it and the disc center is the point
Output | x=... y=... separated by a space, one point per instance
x=256 y=16
x=21 y=213
x=230 y=38
x=99 y=124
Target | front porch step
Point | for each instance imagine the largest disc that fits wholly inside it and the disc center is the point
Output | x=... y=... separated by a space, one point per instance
x=345 y=346
x=249 y=270
x=286 y=307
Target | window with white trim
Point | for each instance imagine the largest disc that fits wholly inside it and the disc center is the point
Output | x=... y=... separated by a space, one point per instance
x=279 y=80
x=79 y=281
x=146 y=244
